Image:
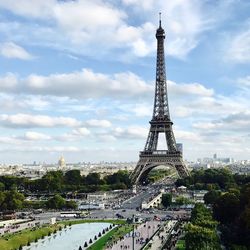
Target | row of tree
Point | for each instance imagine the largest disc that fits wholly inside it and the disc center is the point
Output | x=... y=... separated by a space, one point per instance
x=229 y=197
x=232 y=210
x=213 y=179
x=201 y=231
x=13 y=200
x=180 y=200
x=57 y=181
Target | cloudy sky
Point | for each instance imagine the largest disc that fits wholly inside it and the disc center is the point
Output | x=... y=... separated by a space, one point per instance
x=77 y=77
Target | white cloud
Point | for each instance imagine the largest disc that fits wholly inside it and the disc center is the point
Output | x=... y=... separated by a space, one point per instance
x=75 y=135
x=106 y=138
x=28 y=121
x=145 y=4
x=244 y=81
x=12 y=50
x=131 y=132
x=81 y=131
x=189 y=89
x=236 y=122
x=50 y=149
x=182 y=35
x=8 y=82
x=9 y=140
x=98 y=123
x=35 y=136
x=81 y=84
x=81 y=25
x=238 y=49
x=29 y=9
x=87 y=83
x=187 y=135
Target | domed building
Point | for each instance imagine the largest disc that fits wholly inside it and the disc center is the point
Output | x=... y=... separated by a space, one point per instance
x=61 y=162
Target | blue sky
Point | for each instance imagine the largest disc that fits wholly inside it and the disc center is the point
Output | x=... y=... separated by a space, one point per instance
x=77 y=78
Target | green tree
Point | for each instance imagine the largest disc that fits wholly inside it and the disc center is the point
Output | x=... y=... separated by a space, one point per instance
x=197 y=238
x=93 y=179
x=166 y=199
x=226 y=207
x=212 y=196
x=53 y=181
x=2 y=186
x=70 y=205
x=201 y=232
x=200 y=212
x=11 y=200
x=73 y=177
x=2 y=199
x=180 y=200
x=120 y=177
x=56 y=202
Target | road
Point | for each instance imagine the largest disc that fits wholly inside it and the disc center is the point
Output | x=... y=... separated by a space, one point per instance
x=146 y=192
x=136 y=201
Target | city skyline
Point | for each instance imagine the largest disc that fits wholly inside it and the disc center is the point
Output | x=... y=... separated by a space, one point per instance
x=77 y=78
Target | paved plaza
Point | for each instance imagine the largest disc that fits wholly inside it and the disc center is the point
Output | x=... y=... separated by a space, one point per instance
x=141 y=233
x=158 y=240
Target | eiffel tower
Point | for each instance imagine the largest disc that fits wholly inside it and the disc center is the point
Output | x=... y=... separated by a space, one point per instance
x=150 y=157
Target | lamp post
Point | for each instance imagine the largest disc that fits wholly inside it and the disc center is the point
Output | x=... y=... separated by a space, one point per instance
x=133 y=235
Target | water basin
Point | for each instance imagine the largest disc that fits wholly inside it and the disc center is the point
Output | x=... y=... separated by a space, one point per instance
x=69 y=238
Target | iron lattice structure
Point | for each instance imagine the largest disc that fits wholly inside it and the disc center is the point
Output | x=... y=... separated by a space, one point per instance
x=160 y=123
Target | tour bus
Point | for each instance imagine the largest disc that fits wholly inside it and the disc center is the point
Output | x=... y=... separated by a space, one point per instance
x=73 y=214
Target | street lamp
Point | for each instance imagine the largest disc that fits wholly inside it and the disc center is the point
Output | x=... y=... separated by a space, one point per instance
x=133 y=235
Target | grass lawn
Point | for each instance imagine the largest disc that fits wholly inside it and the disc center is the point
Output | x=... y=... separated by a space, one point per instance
x=13 y=241
x=180 y=245
x=111 y=236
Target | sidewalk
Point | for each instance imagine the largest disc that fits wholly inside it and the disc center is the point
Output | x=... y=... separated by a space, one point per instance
x=158 y=240
x=141 y=233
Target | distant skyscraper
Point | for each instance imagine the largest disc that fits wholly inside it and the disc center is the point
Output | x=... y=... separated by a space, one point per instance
x=215 y=156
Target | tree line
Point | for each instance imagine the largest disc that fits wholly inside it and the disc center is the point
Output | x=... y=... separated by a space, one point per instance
x=232 y=210
x=201 y=231
x=213 y=179
x=57 y=181
x=229 y=198
x=13 y=200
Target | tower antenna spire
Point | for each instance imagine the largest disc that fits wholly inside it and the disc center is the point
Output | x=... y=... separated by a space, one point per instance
x=160 y=19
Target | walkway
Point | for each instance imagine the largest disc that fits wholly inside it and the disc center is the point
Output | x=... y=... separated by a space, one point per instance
x=159 y=239
x=141 y=233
